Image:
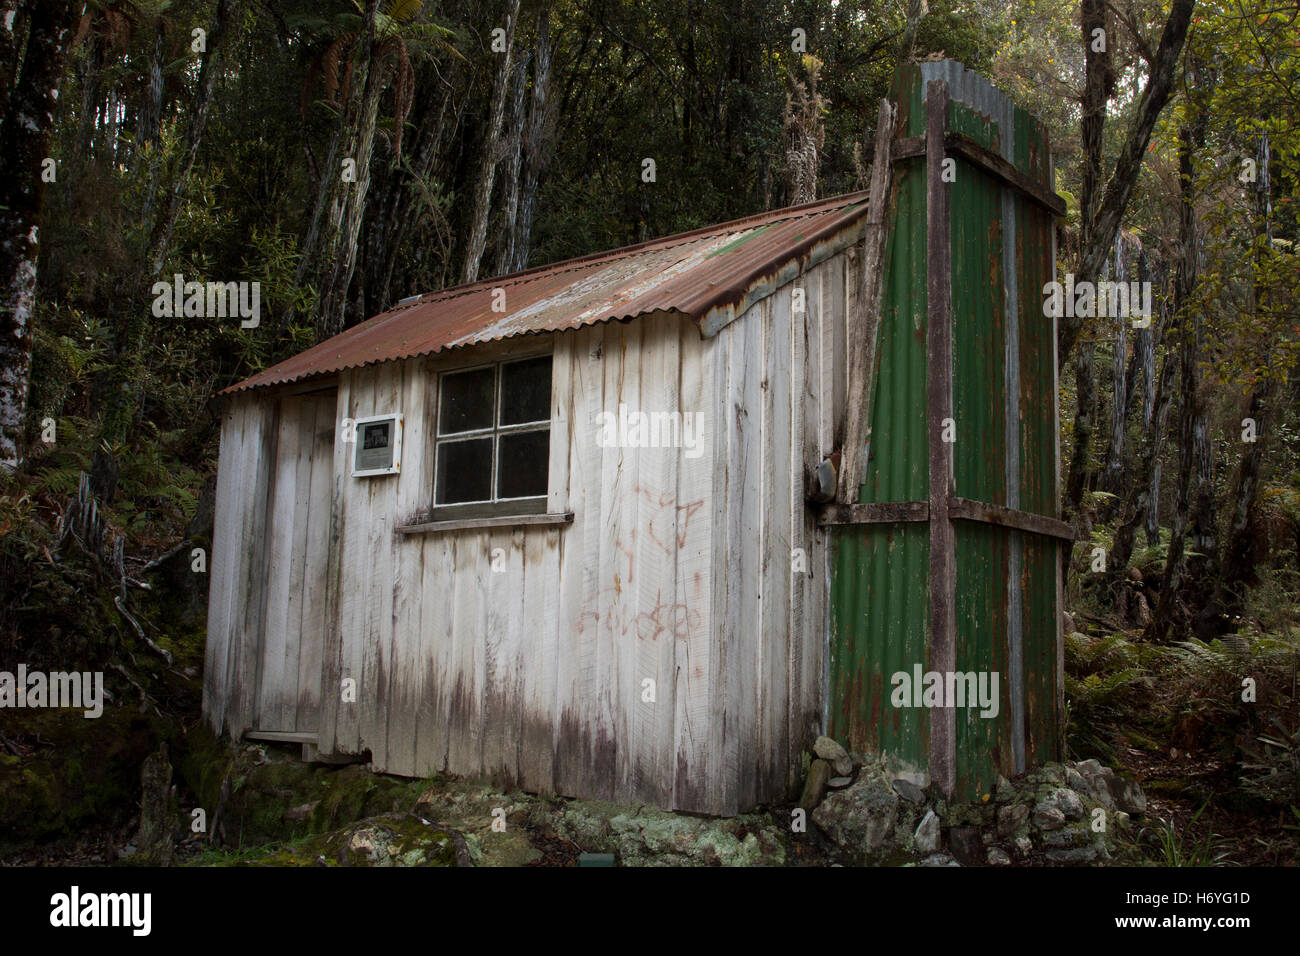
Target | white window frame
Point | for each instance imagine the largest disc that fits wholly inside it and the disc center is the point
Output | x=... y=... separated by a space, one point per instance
x=396 y=466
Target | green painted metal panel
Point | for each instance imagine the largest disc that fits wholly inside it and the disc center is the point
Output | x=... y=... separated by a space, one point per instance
x=879 y=585
x=879 y=582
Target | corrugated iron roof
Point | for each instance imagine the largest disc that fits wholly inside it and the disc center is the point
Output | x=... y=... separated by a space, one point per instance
x=718 y=269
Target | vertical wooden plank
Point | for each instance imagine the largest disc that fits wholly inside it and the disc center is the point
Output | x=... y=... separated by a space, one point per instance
x=863 y=315
x=939 y=397
x=413 y=494
x=817 y=416
x=224 y=562
x=801 y=464
x=273 y=687
x=434 y=605
x=697 y=777
x=468 y=672
x=314 y=620
x=437 y=609
x=379 y=578
x=536 y=659
x=656 y=519
x=557 y=482
x=619 y=552
x=502 y=571
x=580 y=578
x=743 y=503
x=779 y=454
x=296 y=448
x=263 y=423
x=335 y=731
x=835 y=292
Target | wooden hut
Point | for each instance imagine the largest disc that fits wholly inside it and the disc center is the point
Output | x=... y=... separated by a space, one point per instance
x=628 y=526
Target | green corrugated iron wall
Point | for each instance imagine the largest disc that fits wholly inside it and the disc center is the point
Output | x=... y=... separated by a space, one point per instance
x=1002 y=345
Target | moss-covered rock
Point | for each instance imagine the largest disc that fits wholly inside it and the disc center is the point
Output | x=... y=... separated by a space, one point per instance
x=256 y=794
x=79 y=771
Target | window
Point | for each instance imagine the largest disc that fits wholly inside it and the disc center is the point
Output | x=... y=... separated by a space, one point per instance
x=494 y=439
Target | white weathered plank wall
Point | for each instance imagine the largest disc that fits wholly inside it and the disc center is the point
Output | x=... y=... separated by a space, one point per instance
x=660 y=648
x=778 y=374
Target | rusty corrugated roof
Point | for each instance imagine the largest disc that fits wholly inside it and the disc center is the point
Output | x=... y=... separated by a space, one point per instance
x=716 y=271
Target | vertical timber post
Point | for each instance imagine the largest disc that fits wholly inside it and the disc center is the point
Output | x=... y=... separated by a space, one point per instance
x=938 y=227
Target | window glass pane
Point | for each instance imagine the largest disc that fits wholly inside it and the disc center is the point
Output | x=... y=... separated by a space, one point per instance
x=467 y=400
x=464 y=471
x=526 y=391
x=523 y=463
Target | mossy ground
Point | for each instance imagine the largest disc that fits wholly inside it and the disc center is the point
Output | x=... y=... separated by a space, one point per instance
x=75 y=773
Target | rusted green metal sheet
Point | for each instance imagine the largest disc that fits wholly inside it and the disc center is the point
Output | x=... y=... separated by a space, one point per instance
x=879 y=581
x=1004 y=392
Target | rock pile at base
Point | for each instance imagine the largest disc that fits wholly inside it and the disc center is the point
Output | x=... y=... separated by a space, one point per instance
x=1063 y=813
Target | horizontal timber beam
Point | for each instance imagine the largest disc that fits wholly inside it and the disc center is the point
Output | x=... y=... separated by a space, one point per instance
x=959 y=144
x=959 y=509
x=883 y=512
x=967 y=510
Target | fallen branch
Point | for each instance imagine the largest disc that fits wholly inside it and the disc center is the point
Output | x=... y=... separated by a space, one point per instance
x=144 y=696
x=163 y=557
x=161 y=651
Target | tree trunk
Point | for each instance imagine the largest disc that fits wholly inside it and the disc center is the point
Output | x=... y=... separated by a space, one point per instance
x=24 y=145
x=537 y=140
x=1098 y=231
x=1085 y=420
x=327 y=234
x=514 y=163
x=1112 y=475
x=1240 y=549
x=1145 y=483
x=1192 y=411
x=124 y=377
x=340 y=259
x=477 y=240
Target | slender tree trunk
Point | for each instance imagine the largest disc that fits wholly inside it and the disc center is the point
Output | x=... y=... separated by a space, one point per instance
x=1191 y=411
x=1098 y=84
x=537 y=140
x=1113 y=468
x=340 y=260
x=24 y=146
x=514 y=163
x=326 y=238
x=482 y=198
x=1241 y=547
x=121 y=392
x=404 y=202
x=13 y=27
x=1098 y=231
x=1237 y=570
x=1145 y=482
x=1085 y=421
x=230 y=15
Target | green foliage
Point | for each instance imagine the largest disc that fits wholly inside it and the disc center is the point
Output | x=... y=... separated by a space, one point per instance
x=1274 y=773
x=1184 y=849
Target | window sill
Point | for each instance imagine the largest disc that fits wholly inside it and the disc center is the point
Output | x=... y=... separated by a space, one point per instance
x=476 y=524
